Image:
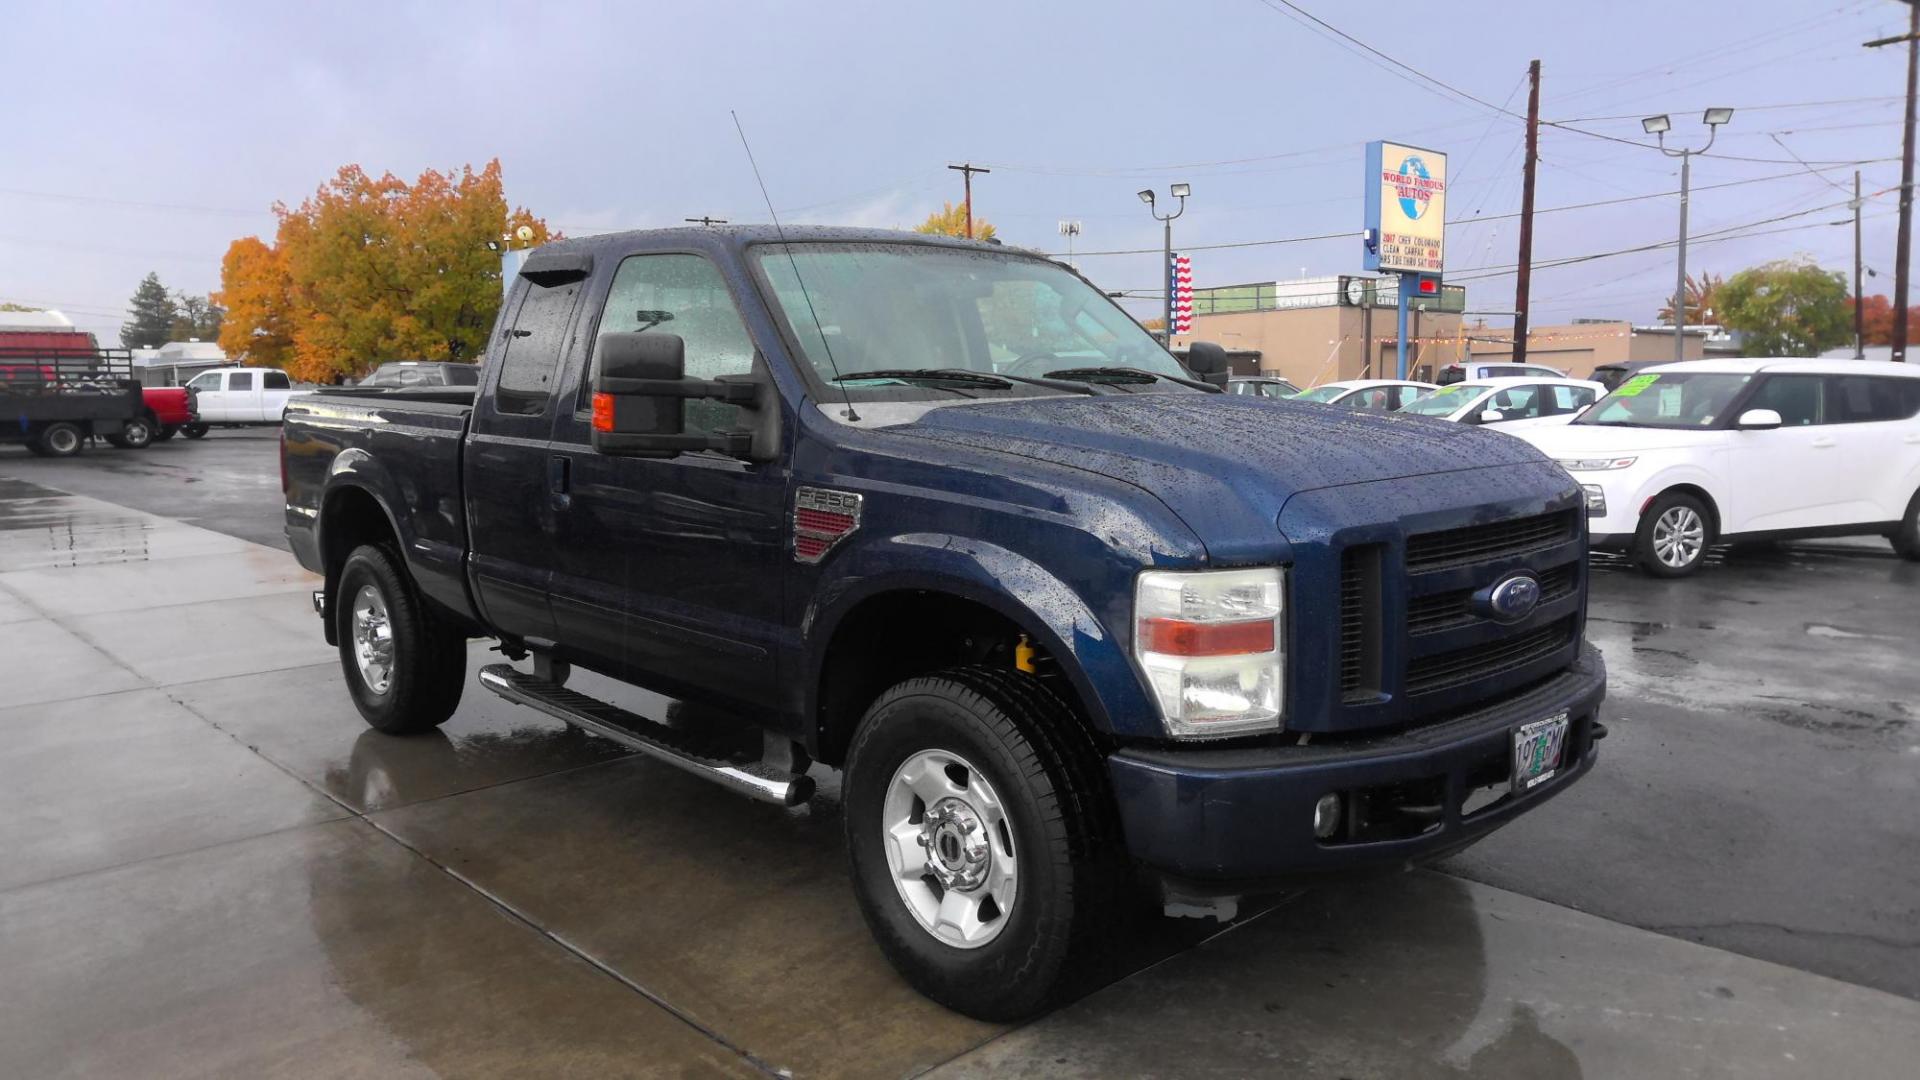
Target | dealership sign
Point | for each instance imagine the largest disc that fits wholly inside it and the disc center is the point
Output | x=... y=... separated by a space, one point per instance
x=1406 y=208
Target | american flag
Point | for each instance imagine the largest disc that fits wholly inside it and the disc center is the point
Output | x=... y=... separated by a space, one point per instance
x=1180 y=284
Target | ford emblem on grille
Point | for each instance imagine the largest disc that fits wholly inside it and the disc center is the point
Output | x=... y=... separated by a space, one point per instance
x=1510 y=599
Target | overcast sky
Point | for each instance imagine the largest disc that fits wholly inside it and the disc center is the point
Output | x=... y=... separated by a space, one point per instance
x=147 y=136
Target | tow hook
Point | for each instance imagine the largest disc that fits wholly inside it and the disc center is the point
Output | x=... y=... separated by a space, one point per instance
x=320 y=602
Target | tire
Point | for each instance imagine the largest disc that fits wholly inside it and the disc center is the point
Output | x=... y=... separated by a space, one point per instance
x=165 y=432
x=1674 y=535
x=60 y=439
x=194 y=431
x=417 y=686
x=1906 y=539
x=1017 y=746
x=136 y=434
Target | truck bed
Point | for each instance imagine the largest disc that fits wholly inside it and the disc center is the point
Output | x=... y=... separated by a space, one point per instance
x=404 y=447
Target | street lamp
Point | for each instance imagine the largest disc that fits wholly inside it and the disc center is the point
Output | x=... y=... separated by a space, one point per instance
x=1658 y=126
x=1178 y=191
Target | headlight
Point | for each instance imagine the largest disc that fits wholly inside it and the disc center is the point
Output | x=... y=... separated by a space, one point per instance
x=1213 y=648
x=1596 y=499
x=1594 y=464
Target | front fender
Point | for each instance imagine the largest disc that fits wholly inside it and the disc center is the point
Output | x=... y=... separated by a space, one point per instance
x=1091 y=656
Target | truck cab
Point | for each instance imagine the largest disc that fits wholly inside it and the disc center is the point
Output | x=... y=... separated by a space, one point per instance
x=1071 y=622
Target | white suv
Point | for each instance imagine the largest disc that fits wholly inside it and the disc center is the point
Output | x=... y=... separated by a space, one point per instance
x=1682 y=456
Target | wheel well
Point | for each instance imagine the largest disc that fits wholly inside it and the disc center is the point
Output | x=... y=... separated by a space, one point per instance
x=1706 y=500
x=895 y=636
x=351 y=517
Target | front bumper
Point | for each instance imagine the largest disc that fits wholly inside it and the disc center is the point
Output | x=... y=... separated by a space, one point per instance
x=1246 y=815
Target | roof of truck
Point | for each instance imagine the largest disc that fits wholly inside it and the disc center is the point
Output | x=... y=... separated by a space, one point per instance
x=747 y=235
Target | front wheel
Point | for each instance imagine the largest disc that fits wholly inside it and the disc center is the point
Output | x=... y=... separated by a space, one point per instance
x=983 y=840
x=194 y=431
x=404 y=670
x=135 y=434
x=1673 y=536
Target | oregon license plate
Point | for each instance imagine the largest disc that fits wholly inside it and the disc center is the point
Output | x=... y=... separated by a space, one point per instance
x=1536 y=751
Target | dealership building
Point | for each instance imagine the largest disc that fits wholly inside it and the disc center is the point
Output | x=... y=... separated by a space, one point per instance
x=1314 y=330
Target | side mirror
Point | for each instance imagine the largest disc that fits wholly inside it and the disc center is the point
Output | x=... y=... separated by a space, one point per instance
x=1492 y=416
x=1208 y=361
x=640 y=394
x=1758 y=420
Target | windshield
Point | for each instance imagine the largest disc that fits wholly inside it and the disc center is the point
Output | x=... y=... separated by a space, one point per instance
x=1667 y=400
x=1445 y=402
x=1323 y=393
x=900 y=308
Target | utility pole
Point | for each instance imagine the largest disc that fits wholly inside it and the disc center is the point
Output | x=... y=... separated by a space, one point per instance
x=1859 y=301
x=1903 y=244
x=966 y=171
x=1523 y=283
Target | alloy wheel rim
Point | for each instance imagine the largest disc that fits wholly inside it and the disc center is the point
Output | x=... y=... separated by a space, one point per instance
x=372 y=639
x=1679 y=536
x=949 y=845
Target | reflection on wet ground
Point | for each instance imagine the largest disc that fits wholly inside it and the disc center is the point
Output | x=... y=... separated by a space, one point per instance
x=215 y=868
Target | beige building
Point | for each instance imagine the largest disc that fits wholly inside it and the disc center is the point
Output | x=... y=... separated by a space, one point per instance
x=1327 y=329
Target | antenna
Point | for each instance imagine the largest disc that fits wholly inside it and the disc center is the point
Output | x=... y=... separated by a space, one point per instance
x=791 y=261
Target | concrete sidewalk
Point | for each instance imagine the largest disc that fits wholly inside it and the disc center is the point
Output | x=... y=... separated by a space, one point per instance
x=214 y=868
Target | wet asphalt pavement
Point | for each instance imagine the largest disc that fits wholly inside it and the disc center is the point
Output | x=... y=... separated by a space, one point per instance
x=214 y=867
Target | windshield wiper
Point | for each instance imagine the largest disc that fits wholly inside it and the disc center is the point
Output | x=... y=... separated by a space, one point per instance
x=1127 y=375
x=964 y=376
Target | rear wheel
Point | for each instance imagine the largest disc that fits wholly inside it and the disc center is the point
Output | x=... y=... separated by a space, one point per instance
x=405 y=671
x=194 y=431
x=1906 y=539
x=1673 y=536
x=59 y=439
x=983 y=840
x=135 y=434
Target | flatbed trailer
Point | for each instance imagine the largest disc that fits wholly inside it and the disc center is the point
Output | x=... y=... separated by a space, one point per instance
x=54 y=398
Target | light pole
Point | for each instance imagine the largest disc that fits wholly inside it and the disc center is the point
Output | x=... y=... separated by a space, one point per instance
x=1659 y=126
x=1069 y=229
x=1178 y=191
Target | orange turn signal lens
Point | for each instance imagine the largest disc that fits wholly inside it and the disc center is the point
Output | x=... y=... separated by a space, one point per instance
x=1179 y=637
x=603 y=412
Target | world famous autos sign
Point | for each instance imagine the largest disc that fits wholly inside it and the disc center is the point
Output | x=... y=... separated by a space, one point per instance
x=1406 y=208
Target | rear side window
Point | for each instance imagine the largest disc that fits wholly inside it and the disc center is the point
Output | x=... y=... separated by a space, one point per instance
x=276 y=380
x=1568 y=399
x=1866 y=399
x=1799 y=399
x=533 y=349
x=240 y=380
x=1516 y=403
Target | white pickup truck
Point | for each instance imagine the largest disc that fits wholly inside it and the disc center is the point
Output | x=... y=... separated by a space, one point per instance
x=237 y=397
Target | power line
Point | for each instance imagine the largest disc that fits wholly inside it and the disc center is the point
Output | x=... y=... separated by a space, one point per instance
x=1397 y=67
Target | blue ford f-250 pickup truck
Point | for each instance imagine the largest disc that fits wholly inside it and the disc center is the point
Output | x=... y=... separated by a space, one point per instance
x=940 y=515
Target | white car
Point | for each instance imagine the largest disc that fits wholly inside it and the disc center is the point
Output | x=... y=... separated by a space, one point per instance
x=1509 y=400
x=1482 y=370
x=1371 y=395
x=233 y=397
x=1683 y=456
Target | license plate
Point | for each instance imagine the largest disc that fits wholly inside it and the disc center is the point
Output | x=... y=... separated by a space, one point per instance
x=1536 y=751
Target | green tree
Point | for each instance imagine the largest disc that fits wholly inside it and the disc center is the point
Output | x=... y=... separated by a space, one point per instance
x=951 y=220
x=196 y=318
x=153 y=312
x=1787 y=308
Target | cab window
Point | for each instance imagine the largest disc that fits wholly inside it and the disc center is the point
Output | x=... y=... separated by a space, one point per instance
x=1799 y=399
x=240 y=380
x=275 y=380
x=533 y=349
x=684 y=295
x=205 y=381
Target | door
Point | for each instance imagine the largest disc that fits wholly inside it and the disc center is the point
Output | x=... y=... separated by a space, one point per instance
x=242 y=402
x=671 y=571
x=509 y=516
x=1795 y=476
x=275 y=390
x=1878 y=424
x=209 y=395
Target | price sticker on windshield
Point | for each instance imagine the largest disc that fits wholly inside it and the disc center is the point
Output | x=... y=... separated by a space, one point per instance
x=1635 y=386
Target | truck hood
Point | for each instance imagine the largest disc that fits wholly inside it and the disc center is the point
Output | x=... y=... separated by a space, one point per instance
x=1218 y=459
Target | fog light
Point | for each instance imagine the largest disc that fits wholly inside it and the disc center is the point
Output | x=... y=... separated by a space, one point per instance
x=1326 y=816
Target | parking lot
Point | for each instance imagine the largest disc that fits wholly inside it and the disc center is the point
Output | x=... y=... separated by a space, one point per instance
x=215 y=867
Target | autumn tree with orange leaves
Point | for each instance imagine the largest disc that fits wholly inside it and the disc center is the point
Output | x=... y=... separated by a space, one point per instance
x=368 y=270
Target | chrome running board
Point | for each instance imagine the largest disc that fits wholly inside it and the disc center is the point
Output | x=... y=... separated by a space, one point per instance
x=756 y=780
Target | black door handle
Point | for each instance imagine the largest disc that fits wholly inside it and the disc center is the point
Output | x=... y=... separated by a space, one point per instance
x=559 y=474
